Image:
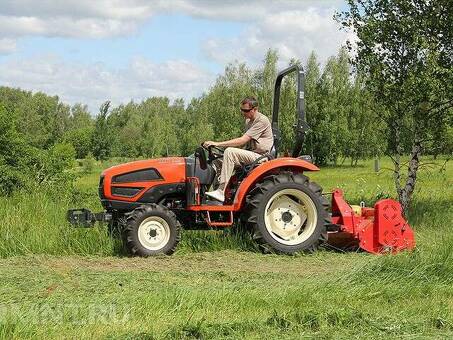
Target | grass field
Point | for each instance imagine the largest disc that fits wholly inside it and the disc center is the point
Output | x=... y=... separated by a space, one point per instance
x=58 y=282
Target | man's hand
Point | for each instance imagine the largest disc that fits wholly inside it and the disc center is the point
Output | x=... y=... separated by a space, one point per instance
x=209 y=143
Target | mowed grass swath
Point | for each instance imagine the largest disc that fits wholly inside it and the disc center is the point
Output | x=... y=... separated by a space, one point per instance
x=225 y=294
x=218 y=285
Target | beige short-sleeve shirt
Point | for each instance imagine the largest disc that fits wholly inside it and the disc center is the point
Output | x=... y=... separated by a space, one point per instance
x=260 y=131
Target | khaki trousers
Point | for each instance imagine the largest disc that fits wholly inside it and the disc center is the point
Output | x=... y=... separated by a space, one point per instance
x=232 y=158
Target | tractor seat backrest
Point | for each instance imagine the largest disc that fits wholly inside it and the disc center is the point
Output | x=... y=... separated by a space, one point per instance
x=273 y=153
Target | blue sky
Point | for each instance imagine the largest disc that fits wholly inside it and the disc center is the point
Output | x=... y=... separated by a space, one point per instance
x=162 y=38
x=90 y=51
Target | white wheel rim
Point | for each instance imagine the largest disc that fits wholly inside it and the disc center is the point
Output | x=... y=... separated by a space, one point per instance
x=154 y=233
x=290 y=216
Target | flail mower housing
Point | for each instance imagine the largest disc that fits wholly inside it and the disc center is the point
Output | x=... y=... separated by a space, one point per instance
x=149 y=202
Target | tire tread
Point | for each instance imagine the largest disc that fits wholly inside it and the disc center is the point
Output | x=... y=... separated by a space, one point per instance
x=256 y=195
x=137 y=215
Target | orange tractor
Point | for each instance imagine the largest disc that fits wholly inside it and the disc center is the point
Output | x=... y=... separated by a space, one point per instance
x=150 y=201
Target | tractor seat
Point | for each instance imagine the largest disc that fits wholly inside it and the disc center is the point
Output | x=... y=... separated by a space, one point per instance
x=244 y=169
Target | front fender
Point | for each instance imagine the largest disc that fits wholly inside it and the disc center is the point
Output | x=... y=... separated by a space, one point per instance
x=273 y=166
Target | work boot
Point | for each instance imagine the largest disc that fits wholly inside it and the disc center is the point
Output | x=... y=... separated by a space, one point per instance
x=216 y=194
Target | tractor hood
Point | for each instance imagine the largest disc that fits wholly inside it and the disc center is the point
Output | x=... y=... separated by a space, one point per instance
x=160 y=169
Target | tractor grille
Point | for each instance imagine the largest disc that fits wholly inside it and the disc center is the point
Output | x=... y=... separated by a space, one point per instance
x=101 y=188
x=126 y=192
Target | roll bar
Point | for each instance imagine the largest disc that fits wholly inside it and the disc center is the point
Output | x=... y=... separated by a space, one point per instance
x=301 y=125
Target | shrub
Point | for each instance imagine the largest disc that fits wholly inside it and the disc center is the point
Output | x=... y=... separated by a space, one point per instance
x=81 y=140
x=88 y=164
x=14 y=153
x=22 y=165
x=52 y=167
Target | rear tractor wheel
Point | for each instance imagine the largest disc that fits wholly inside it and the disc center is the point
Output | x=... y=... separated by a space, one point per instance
x=288 y=213
x=152 y=230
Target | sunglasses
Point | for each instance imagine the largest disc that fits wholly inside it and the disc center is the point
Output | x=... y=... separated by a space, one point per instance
x=246 y=110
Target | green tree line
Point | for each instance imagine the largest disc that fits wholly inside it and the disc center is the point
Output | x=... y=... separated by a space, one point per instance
x=39 y=130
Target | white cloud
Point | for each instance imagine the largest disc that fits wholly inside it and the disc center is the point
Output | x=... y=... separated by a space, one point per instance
x=102 y=18
x=295 y=28
x=71 y=18
x=63 y=27
x=141 y=9
x=95 y=83
x=107 y=9
x=239 y=10
x=7 y=45
x=294 y=33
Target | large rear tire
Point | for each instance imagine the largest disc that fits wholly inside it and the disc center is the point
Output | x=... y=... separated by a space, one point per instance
x=152 y=230
x=287 y=213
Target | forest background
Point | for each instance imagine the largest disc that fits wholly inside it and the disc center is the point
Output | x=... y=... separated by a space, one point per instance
x=42 y=136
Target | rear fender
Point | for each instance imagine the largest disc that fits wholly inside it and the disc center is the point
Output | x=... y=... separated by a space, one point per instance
x=267 y=168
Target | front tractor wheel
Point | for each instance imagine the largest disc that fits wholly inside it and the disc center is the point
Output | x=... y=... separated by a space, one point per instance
x=288 y=213
x=152 y=230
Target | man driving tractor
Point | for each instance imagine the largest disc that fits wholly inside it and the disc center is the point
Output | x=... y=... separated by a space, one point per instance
x=151 y=201
x=258 y=136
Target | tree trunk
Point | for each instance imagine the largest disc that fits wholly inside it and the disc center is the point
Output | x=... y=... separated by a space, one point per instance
x=405 y=193
x=396 y=161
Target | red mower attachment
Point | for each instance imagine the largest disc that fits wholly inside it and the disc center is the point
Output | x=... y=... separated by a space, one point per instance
x=377 y=230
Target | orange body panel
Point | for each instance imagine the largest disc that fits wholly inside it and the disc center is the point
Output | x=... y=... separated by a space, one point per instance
x=172 y=169
x=266 y=168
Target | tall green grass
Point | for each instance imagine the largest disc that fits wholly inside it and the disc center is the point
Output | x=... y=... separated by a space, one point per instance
x=35 y=222
x=429 y=263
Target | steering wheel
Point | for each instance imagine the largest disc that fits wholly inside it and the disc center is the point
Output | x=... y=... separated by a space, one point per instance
x=214 y=152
